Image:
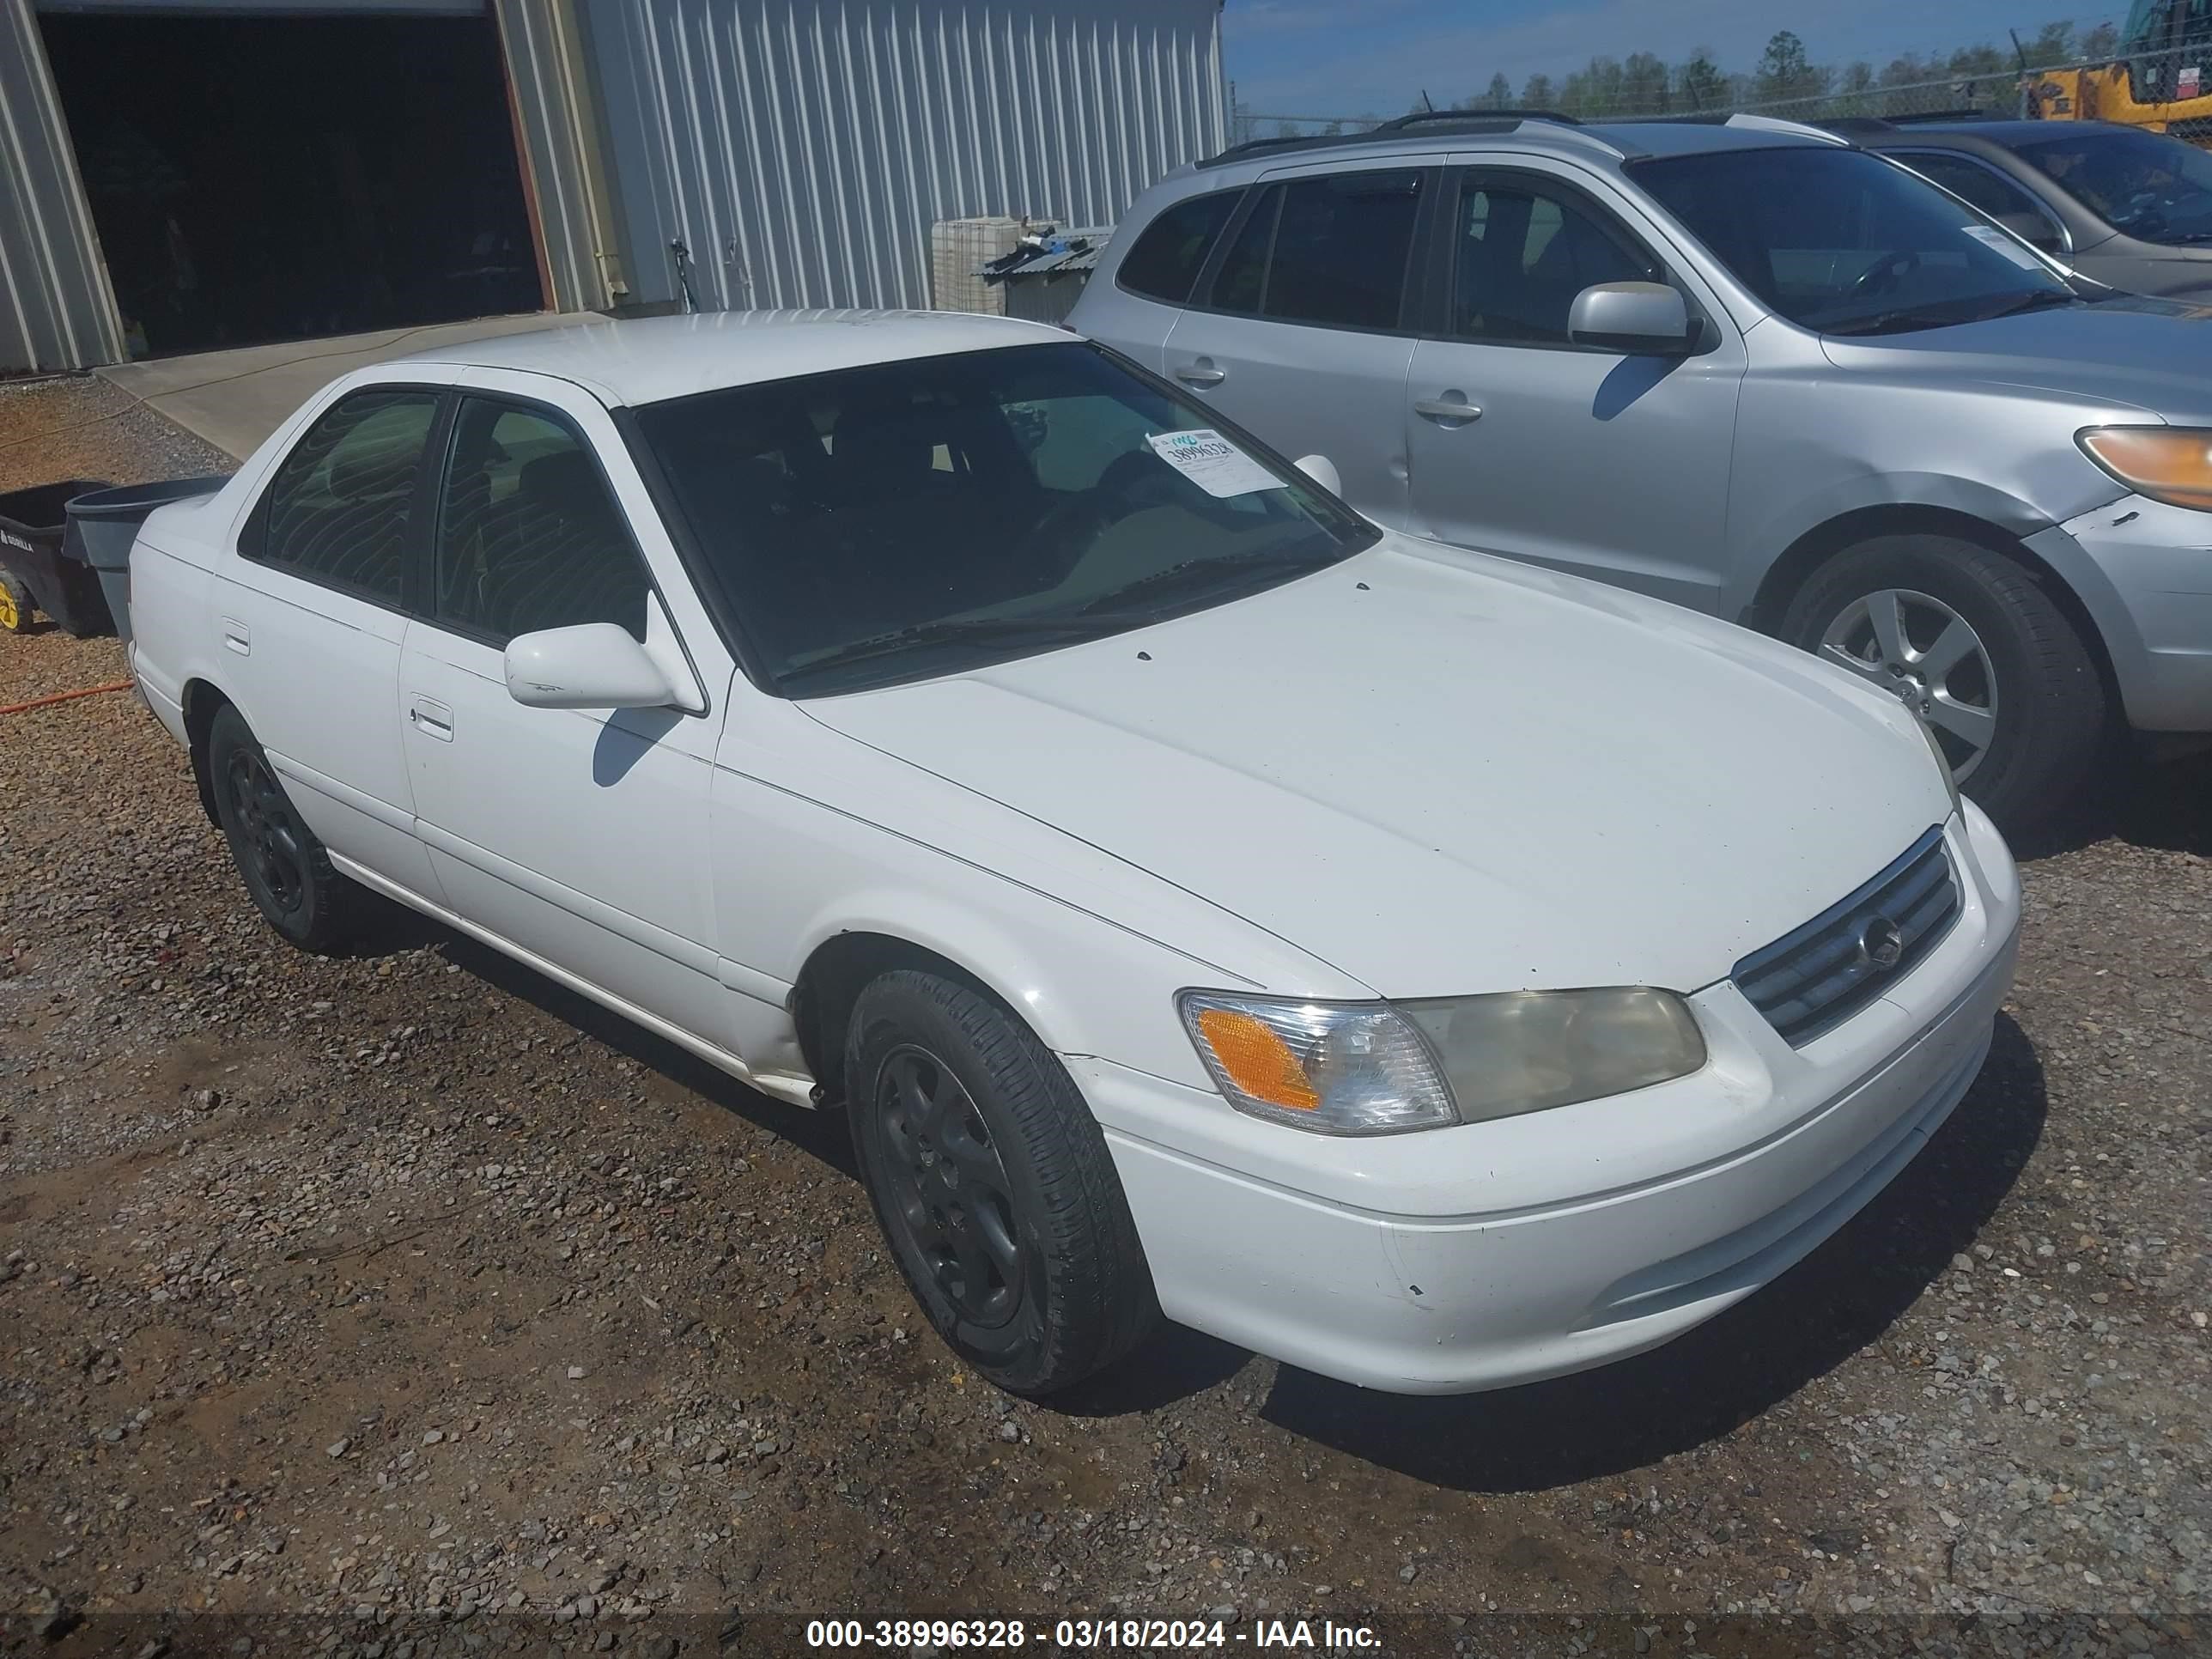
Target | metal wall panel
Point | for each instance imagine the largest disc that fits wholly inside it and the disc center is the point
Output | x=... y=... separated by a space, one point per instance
x=56 y=309
x=802 y=148
x=557 y=133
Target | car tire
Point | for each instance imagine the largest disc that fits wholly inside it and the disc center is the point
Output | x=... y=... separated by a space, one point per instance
x=2029 y=664
x=286 y=869
x=993 y=1185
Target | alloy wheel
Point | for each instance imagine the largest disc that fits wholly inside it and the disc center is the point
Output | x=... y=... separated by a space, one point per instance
x=948 y=1192
x=269 y=834
x=1929 y=657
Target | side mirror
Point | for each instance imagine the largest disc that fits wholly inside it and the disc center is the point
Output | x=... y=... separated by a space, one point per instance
x=1646 y=319
x=1322 y=471
x=2036 y=231
x=591 y=666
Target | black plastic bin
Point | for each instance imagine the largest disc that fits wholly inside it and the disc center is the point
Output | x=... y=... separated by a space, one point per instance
x=104 y=524
x=33 y=523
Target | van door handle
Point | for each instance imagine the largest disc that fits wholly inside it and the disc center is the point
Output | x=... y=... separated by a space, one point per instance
x=1452 y=406
x=1201 y=374
x=237 y=637
x=432 y=719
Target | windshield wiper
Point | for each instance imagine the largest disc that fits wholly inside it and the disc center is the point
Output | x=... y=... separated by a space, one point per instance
x=2035 y=302
x=950 y=628
x=1201 y=572
x=1946 y=316
x=1894 y=322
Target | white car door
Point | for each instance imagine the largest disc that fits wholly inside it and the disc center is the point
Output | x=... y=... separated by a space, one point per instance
x=579 y=836
x=309 y=617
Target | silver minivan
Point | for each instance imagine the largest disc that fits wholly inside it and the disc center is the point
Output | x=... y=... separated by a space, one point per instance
x=1749 y=367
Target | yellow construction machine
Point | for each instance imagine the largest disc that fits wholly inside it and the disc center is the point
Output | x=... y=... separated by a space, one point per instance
x=2161 y=80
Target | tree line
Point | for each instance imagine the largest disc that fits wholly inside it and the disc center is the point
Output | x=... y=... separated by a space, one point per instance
x=1643 y=83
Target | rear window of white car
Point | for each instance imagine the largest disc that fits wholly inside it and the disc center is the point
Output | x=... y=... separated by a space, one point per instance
x=336 y=512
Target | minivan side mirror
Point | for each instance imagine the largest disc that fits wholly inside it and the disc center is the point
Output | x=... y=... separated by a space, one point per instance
x=1322 y=471
x=590 y=665
x=1647 y=319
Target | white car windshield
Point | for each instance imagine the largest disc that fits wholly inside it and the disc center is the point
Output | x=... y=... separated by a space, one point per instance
x=917 y=517
x=1843 y=242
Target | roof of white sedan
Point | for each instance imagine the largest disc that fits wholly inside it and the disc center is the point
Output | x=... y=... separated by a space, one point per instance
x=643 y=359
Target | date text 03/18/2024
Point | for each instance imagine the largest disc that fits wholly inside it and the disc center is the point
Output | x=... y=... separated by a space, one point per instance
x=902 y=1635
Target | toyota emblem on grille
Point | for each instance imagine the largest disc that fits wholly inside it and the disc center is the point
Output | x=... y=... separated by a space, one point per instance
x=1881 y=943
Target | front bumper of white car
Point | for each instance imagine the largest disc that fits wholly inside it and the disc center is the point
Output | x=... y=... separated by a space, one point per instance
x=1450 y=1261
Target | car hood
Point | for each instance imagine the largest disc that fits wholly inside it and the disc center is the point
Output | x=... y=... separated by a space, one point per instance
x=1443 y=774
x=2134 y=353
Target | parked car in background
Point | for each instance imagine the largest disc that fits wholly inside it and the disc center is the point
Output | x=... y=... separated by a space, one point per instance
x=2126 y=207
x=1194 y=893
x=1748 y=367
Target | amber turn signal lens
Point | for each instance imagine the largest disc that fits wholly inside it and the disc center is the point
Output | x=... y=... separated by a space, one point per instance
x=1257 y=1060
x=2168 y=463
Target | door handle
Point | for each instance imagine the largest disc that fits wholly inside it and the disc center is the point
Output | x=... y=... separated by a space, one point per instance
x=237 y=637
x=432 y=719
x=1452 y=406
x=1201 y=374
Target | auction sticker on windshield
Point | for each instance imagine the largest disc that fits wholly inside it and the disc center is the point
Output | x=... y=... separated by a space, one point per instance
x=1997 y=242
x=1212 y=462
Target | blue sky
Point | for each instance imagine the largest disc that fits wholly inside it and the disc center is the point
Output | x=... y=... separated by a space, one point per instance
x=1346 y=57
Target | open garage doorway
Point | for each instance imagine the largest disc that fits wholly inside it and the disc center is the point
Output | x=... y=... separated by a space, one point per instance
x=262 y=176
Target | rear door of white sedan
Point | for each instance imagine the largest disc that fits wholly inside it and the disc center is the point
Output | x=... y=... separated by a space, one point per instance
x=578 y=835
x=309 y=616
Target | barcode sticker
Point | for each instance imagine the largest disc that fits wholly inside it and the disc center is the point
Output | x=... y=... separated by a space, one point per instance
x=1213 y=463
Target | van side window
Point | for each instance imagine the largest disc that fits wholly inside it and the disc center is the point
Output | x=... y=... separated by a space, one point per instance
x=1334 y=249
x=335 y=510
x=529 y=534
x=1523 y=252
x=1166 y=260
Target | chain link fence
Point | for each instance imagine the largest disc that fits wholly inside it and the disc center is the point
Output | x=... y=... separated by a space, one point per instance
x=2137 y=89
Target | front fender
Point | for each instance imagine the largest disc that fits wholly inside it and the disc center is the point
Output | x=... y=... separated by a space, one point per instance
x=1784 y=524
x=1084 y=987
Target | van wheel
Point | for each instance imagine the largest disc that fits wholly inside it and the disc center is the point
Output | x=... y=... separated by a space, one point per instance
x=286 y=869
x=993 y=1185
x=1966 y=639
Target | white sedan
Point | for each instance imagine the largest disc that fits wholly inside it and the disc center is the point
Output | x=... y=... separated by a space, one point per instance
x=1429 y=970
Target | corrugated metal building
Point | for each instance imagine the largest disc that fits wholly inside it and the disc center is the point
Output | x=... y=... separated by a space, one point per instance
x=179 y=174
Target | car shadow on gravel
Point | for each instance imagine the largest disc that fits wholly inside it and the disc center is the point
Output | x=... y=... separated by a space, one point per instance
x=2168 y=806
x=1834 y=1303
x=2164 y=805
x=821 y=1135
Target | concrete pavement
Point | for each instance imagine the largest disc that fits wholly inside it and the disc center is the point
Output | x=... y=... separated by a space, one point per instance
x=235 y=398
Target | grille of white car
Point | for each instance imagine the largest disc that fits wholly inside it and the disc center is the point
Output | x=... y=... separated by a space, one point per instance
x=1814 y=978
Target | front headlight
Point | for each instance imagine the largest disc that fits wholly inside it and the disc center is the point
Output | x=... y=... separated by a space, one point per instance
x=2169 y=464
x=1365 y=1068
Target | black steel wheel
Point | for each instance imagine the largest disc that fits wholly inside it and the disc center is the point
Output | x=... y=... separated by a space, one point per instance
x=287 y=870
x=951 y=1203
x=993 y=1185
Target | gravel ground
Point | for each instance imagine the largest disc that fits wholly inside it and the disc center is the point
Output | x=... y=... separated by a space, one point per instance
x=401 y=1304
